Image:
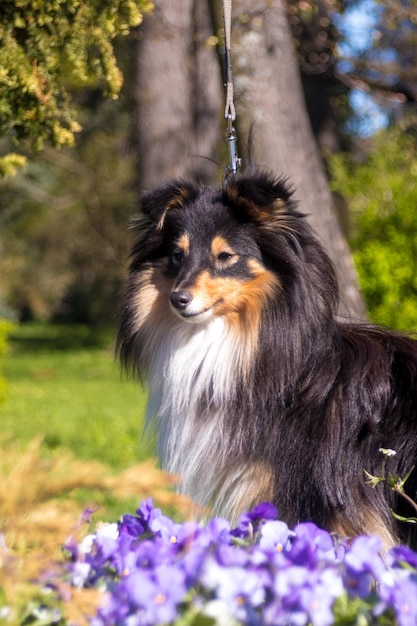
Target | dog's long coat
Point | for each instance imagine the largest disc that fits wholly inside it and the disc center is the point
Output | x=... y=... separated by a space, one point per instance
x=257 y=391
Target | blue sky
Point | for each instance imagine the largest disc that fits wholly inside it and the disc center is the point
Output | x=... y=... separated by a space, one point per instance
x=358 y=25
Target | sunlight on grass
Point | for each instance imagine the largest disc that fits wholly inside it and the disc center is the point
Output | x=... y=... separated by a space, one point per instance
x=74 y=398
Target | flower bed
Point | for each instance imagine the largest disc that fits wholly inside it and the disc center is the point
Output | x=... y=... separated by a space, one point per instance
x=156 y=571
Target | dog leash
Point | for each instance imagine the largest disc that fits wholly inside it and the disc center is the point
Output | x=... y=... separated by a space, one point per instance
x=229 y=111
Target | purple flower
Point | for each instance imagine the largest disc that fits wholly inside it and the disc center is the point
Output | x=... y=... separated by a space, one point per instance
x=317 y=598
x=398 y=590
x=364 y=565
x=228 y=555
x=218 y=529
x=166 y=528
x=242 y=589
x=303 y=596
x=79 y=574
x=104 y=548
x=275 y=536
x=156 y=571
x=312 y=544
x=365 y=555
x=153 y=552
x=403 y=554
x=285 y=607
x=289 y=580
x=250 y=522
x=199 y=542
x=154 y=595
x=317 y=605
x=131 y=526
x=147 y=513
x=263 y=511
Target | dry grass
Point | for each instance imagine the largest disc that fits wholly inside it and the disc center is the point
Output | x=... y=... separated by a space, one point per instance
x=39 y=511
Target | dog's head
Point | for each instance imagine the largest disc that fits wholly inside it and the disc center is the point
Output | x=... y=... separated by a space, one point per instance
x=224 y=252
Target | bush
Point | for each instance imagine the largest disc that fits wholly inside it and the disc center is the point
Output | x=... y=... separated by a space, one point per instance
x=49 y=48
x=381 y=191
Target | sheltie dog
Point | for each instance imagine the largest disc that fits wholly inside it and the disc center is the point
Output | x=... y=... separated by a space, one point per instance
x=257 y=391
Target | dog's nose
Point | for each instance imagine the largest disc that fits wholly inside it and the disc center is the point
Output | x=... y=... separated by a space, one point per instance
x=180 y=299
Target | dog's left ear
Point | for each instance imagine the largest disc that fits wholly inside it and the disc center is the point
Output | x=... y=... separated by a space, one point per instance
x=156 y=204
x=260 y=197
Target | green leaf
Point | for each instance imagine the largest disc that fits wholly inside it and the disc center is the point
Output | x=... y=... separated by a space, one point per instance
x=408 y=520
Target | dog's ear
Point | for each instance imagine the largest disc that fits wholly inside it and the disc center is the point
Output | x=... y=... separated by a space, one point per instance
x=259 y=197
x=156 y=204
x=150 y=220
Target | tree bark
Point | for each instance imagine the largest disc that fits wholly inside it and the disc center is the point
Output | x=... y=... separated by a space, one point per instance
x=268 y=93
x=177 y=93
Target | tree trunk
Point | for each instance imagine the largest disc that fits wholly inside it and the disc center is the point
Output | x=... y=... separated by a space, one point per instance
x=178 y=94
x=268 y=93
x=180 y=106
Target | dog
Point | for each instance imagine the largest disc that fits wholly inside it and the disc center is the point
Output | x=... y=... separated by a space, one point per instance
x=257 y=391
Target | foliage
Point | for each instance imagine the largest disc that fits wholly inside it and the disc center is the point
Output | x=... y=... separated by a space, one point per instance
x=381 y=191
x=63 y=224
x=48 y=48
x=10 y=164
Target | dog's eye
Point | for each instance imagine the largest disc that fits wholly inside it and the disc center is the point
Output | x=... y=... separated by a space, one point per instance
x=177 y=256
x=224 y=256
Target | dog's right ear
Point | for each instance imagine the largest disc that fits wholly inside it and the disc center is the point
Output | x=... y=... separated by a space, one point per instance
x=260 y=197
x=156 y=204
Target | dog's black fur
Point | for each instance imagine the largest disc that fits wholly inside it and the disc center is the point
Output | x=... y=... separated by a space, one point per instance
x=298 y=405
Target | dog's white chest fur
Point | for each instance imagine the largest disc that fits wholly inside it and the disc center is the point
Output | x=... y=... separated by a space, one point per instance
x=192 y=377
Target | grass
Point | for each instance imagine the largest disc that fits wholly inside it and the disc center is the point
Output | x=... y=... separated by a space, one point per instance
x=70 y=439
x=64 y=385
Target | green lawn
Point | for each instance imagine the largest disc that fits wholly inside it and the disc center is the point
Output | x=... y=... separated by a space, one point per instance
x=64 y=384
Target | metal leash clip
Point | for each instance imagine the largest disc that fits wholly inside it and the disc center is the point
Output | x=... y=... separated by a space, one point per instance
x=234 y=161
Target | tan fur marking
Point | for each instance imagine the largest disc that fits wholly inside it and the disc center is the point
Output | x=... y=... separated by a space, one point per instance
x=370 y=524
x=162 y=218
x=150 y=303
x=256 y=212
x=177 y=200
x=219 y=245
x=232 y=294
x=279 y=218
x=251 y=485
x=184 y=243
x=259 y=486
x=240 y=302
x=266 y=213
x=259 y=213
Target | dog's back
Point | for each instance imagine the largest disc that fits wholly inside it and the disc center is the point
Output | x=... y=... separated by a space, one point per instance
x=257 y=391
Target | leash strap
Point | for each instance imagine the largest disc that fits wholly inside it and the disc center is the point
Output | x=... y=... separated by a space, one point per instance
x=227 y=16
x=229 y=111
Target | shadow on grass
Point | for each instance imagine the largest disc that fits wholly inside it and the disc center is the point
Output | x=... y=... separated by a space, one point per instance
x=37 y=336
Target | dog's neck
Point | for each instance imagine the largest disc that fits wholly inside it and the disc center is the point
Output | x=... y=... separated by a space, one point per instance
x=192 y=363
x=193 y=376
